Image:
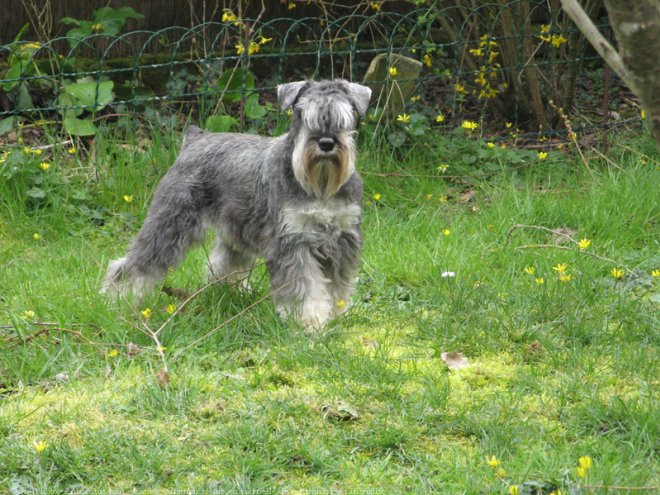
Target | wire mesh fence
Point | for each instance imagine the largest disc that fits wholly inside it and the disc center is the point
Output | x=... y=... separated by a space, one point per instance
x=518 y=61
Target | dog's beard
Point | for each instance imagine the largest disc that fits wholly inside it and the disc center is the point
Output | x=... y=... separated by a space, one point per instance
x=323 y=174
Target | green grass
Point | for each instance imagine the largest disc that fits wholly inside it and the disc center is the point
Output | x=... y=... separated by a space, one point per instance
x=556 y=370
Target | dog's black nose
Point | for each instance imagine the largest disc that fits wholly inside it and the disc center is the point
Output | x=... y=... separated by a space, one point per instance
x=326 y=144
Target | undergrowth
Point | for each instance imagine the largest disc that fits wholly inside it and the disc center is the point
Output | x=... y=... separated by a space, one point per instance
x=538 y=274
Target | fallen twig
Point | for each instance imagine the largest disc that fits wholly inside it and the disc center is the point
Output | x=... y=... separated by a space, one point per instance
x=566 y=248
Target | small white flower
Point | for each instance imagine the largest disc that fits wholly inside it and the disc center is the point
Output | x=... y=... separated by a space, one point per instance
x=447 y=274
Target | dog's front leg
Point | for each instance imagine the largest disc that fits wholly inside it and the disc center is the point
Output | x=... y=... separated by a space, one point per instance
x=299 y=287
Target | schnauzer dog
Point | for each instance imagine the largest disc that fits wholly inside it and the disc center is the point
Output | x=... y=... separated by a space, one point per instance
x=293 y=200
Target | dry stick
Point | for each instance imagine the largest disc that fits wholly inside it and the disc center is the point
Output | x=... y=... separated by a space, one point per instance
x=193 y=296
x=224 y=323
x=558 y=233
x=571 y=134
x=565 y=248
x=623 y=488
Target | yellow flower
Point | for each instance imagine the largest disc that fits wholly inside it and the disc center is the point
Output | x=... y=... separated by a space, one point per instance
x=582 y=472
x=442 y=198
x=477 y=52
x=33 y=45
x=490 y=146
x=565 y=277
x=341 y=304
x=405 y=118
x=655 y=273
x=542 y=155
x=529 y=270
x=584 y=244
x=514 y=490
x=28 y=314
x=415 y=98
x=228 y=16
x=426 y=59
x=289 y=112
x=557 y=492
x=113 y=353
x=161 y=348
x=128 y=198
x=501 y=473
x=97 y=27
x=539 y=281
x=253 y=48
x=36 y=151
x=239 y=48
x=291 y=6
x=374 y=5
x=560 y=267
x=508 y=125
x=617 y=273
x=170 y=309
x=446 y=232
x=392 y=71
x=469 y=125
x=146 y=313
x=493 y=462
x=585 y=462
x=263 y=40
x=557 y=40
x=460 y=88
x=36 y=236
x=442 y=168
x=428 y=196
x=503 y=146
x=71 y=150
x=377 y=197
x=440 y=118
x=40 y=446
x=643 y=114
x=44 y=166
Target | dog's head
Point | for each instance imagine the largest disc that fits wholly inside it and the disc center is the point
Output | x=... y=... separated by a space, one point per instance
x=325 y=115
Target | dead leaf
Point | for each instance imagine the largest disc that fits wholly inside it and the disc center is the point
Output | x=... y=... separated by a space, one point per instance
x=163 y=378
x=340 y=411
x=468 y=195
x=370 y=343
x=563 y=235
x=454 y=360
x=132 y=350
x=535 y=348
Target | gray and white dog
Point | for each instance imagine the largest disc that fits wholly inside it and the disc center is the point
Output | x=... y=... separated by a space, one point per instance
x=293 y=200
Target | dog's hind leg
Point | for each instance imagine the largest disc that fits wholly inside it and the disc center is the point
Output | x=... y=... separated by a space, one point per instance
x=229 y=264
x=171 y=227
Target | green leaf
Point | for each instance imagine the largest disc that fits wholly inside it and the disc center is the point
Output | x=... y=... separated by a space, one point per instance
x=24 y=101
x=253 y=110
x=79 y=127
x=397 y=138
x=70 y=21
x=231 y=84
x=220 y=123
x=6 y=125
x=91 y=93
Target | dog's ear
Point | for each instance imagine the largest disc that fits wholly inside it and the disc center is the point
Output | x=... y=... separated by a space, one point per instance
x=360 y=95
x=288 y=93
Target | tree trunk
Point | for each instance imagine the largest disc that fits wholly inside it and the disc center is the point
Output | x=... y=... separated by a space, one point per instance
x=637 y=31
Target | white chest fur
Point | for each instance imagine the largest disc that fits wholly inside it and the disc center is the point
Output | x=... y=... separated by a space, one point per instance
x=320 y=217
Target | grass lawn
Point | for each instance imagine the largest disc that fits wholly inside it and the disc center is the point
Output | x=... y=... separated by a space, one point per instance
x=561 y=341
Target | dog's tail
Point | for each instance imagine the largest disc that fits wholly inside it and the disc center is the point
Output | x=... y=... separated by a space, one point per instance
x=193 y=133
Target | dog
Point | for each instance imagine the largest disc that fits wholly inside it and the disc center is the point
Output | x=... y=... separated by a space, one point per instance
x=294 y=200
